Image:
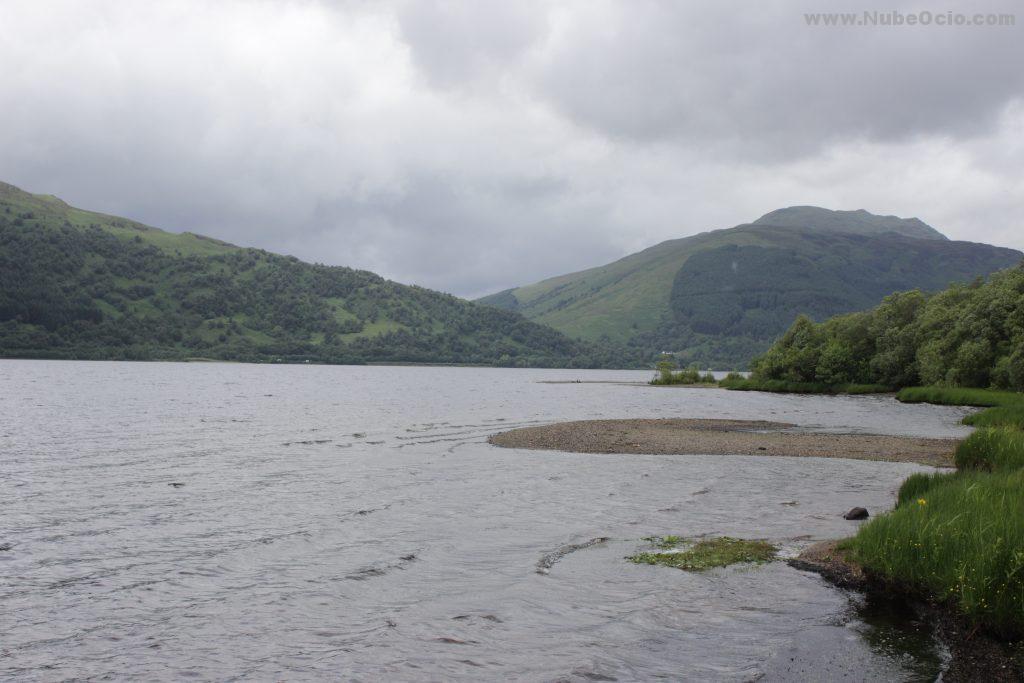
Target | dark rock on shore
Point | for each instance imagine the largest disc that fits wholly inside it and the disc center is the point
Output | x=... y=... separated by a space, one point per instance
x=856 y=513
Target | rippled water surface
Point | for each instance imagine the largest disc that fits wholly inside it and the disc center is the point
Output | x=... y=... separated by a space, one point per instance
x=253 y=522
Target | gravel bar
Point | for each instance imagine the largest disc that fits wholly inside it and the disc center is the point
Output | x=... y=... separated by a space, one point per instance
x=723 y=437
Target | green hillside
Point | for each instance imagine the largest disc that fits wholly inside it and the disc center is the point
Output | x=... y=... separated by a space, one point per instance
x=722 y=297
x=78 y=284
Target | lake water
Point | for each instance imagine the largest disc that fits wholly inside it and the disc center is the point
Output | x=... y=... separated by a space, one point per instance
x=256 y=522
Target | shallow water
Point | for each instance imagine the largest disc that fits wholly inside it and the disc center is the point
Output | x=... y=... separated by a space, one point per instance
x=223 y=521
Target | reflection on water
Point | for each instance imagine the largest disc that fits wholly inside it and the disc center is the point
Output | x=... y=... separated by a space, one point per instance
x=258 y=522
x=892 y=627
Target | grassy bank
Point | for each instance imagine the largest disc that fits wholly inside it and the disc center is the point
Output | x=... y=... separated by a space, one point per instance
x=1005 y=408
x=959 y=537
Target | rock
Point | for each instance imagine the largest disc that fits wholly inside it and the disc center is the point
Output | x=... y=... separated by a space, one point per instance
x=6 y=546
x=856 y=513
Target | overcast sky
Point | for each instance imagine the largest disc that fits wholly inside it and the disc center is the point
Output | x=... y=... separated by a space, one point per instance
x=472 y=146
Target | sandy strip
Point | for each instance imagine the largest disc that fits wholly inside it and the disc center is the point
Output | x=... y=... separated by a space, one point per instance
x=723 y=437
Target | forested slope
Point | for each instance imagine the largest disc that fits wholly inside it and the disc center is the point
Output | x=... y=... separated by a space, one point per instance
x=77 y=284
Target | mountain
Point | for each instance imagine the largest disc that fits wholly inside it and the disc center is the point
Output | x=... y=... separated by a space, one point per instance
x=78 y=284
x=719 y=298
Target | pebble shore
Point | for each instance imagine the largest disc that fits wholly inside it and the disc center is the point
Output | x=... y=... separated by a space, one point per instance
x=724 y=437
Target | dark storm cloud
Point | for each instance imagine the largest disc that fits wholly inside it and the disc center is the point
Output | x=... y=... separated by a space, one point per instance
x=472 y=146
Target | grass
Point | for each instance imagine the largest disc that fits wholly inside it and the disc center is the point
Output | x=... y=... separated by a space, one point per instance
x=785 y=387
x=666 y=542
x=998 y=416
x=708 y=553
x=917 y=485
x=1004 y=408
x=959 y=396
x=959 y=537
x=991 y=450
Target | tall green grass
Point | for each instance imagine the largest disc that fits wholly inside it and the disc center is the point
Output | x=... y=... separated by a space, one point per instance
x=962 y=540
x=1005 y=408
x=917 y=485
x=959 y=396
x=991 y=450
x=998 y=416
x=960 y=536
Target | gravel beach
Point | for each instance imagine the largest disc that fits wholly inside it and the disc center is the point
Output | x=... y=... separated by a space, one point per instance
x=723 y=437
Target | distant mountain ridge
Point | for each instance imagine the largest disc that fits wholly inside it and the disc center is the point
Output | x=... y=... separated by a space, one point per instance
x=80 y=284
x=721 y=297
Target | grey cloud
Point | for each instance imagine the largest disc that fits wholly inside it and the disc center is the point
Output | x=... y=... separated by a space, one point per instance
x=457 y=236
x=473 y=146
x=455 y=43
x=754 y=80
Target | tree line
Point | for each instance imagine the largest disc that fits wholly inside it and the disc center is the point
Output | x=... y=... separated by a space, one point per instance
x=969 y=335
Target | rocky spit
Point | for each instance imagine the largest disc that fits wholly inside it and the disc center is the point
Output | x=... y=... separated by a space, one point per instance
x=724 y=437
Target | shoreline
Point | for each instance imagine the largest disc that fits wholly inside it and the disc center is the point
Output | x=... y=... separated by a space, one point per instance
x=975 y=654
x=674 y=436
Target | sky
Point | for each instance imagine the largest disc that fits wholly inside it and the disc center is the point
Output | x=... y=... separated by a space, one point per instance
x=475 y=146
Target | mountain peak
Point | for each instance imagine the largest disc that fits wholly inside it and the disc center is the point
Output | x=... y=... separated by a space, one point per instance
x=858 y=222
